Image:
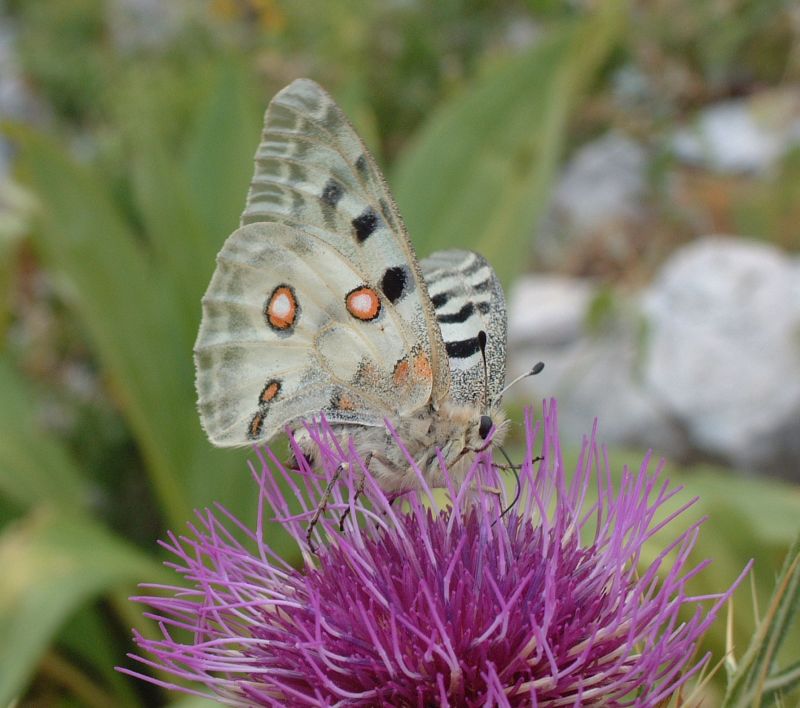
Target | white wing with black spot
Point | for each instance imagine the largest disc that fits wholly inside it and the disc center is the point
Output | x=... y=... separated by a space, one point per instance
x=471 y=312
x=313 y=172
x=317 y=301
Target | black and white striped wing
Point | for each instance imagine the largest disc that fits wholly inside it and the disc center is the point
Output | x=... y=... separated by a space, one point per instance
x=471 y=312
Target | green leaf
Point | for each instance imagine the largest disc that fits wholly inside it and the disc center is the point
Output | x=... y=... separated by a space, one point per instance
x=769 y=506
x=219 y=160
x=480 y=171
x=87 y=640
x=756 y=670
x=16 y=206
x=34 y=467
x=783 y=681
x=52 y=565
x=127 y=309
x=169 y=218
x=194 y=702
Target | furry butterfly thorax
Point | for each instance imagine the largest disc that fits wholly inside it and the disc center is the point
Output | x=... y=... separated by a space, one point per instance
x=319 y=304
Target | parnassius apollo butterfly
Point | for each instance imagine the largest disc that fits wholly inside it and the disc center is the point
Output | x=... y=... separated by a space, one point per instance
x=318 y=303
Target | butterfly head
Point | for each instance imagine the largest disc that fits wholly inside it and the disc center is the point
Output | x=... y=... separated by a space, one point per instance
x=490 y=429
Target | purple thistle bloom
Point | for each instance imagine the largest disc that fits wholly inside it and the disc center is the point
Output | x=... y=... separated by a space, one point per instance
x=410 y=604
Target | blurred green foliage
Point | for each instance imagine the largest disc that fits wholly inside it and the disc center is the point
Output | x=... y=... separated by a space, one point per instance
x=138 y=164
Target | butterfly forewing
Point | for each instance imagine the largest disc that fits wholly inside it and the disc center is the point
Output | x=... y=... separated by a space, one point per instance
x=317 y=302
x=471 y=312
x=313 y=172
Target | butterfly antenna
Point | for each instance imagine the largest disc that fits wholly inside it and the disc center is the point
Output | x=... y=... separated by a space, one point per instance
x=482 y=345
x=537 y=368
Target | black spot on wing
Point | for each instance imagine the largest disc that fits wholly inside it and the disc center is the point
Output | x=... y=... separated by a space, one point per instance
x=461 y=316
x=365 y=224
x=463 y=348
x=395 y=282
x=440 y=300
x=332 y=193
x=361 y=166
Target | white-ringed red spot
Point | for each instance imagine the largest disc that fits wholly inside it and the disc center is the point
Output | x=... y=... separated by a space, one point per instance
x=363 y=303
x=281 y=308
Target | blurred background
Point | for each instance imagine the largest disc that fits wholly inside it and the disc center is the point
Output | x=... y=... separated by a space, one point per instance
x=632 y=170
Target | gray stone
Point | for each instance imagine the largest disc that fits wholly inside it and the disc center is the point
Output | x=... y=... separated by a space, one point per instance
x=723 y=351
x=548 y=310
x=593 y=375
x=599 y=198
x=743 y=135
x=703 y=364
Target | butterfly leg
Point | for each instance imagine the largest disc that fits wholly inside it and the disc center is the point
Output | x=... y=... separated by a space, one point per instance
x=359 y=491
x=476 y=488
x=396 y=495
x=515 y=469
x=511 y=467
x=323 y=505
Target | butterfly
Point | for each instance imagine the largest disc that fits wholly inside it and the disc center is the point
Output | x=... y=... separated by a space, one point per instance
x=319 y=304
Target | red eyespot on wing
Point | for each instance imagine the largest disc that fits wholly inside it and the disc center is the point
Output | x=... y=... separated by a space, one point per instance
x=363 y=303
x=422 y=366
x=401 y=373
x=281 y=308
x=343 y=402
x=254 y=429
x=270 y=391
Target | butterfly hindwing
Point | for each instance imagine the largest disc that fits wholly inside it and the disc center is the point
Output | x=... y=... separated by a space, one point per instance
x=285 y=335
x=471 y=312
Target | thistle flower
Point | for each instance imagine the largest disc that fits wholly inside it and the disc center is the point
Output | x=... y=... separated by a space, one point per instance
x=412 y=604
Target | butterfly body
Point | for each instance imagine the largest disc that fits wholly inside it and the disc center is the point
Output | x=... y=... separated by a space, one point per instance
x=318 y=304
x=452 y=431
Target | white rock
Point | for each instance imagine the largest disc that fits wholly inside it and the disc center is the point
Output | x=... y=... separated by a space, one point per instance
x=603 y=182
x=598 y=198
x=591 y=375
x=723 y=353
x=743 y=135
x=548 y=309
